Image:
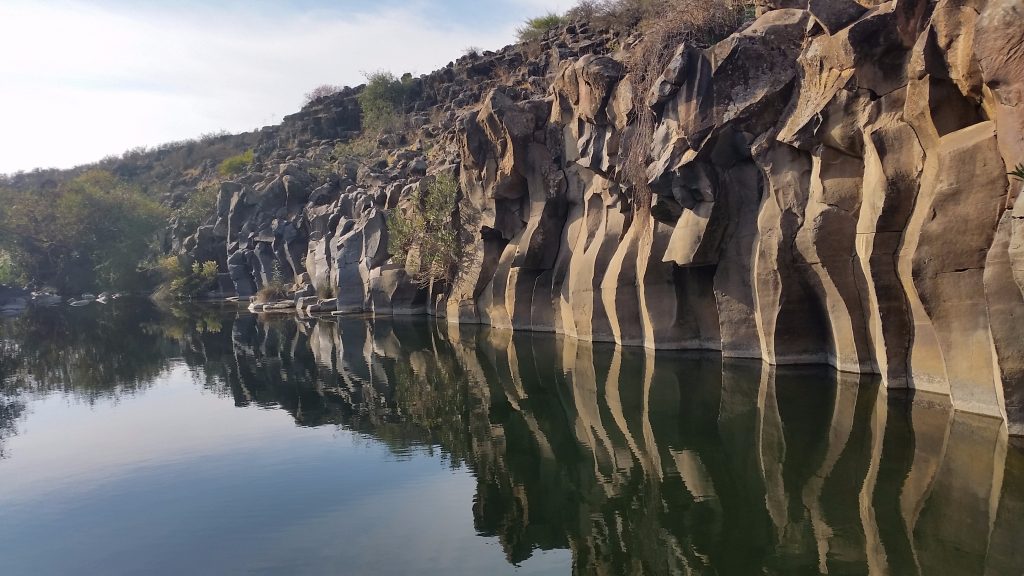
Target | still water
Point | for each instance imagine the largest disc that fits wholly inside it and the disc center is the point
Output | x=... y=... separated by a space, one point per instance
x=135 y=440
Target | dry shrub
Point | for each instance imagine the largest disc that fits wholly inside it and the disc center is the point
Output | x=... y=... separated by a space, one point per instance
x=708 y=19
x=615 y=15
x=660 y=26
x=274 y=290
x=322 y=91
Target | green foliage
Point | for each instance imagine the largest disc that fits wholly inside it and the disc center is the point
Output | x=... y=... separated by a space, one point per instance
x=8 y=273
x=356 y=150
x=1018 y=172
x=383 y=101
x=535 y=28
x=89 y=232
x=185 y=283
x=236 y=164
x=200 y=205
x=321 y=174
x=428 y=230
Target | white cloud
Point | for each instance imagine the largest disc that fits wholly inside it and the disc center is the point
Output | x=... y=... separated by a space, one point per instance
x=80 y=81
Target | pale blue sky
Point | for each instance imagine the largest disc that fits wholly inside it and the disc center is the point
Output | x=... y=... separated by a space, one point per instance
x=83 y=79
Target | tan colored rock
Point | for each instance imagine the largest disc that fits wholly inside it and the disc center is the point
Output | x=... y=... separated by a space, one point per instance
x=997 y=47
x=392 y=292
x=733 y=281
x=963 y=193
x=828 y=186
x=893 y=160
x=1006 y=311
x=827 y=244
x=791 y=320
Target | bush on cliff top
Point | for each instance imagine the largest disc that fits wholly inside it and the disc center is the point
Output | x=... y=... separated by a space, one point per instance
x=665 y=25
x=535 y=28
x=383 y=100
x=706 y=21
x=236 y=164
x=322 y=91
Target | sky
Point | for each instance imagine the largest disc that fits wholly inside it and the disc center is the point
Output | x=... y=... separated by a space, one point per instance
x=83 y=79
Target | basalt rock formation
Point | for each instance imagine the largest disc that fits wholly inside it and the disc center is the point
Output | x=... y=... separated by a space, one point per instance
x=828 y=184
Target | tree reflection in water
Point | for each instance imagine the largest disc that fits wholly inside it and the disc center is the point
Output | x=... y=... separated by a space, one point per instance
x=640 y=463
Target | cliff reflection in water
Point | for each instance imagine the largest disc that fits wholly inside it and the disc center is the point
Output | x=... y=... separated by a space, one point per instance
x=638 y=465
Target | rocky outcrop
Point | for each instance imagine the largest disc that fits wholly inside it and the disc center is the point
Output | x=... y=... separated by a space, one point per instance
x=827 y=184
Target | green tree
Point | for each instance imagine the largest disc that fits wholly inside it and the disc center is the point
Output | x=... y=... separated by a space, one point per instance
x=201 y=204
x=87 y=233
x=383 y=100
x=182 y=282
x=8 y=273
x=535 y=28
x=428 y=229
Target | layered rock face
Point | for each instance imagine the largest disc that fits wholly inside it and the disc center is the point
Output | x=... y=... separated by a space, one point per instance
x=829 y=185
x=826 y=185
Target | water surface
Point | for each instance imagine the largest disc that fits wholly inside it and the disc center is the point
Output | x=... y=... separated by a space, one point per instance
x=135 y=440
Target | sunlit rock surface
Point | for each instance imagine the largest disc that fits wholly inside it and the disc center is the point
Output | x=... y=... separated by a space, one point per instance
x=828 y=185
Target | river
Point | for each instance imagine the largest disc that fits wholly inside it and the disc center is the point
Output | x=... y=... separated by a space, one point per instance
x=205 y=440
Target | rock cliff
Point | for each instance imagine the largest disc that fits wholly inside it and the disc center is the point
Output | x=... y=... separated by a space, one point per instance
x=828 y=184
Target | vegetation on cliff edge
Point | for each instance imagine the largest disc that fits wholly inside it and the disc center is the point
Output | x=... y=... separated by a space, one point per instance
x=236 y=164
x=197 y=209
x=663 y=26
x=322 y=91
x=383 y=100
x=535 y=28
